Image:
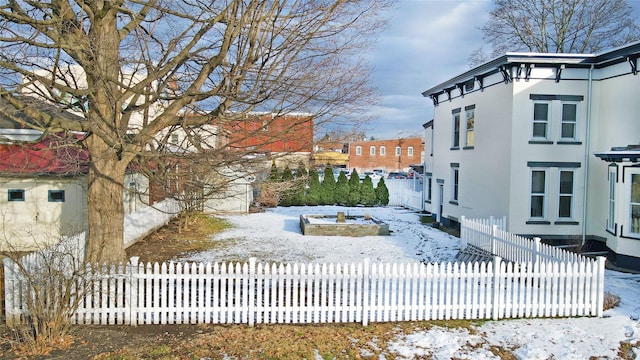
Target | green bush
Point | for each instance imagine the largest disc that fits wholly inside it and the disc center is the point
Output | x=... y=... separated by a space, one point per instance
x=367 y=193
x=382 y=193
x=342 y=189
x=328 y=188
x=312 y=196
x=354 y=189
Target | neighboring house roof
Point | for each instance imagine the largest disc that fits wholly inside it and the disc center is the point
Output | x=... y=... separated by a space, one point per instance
x=628 y=53
x=54 y=155
x=27 y=151
x=10 y=116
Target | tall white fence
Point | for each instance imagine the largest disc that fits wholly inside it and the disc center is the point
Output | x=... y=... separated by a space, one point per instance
x=406 y=192
x=143 y=222
x=250 y=293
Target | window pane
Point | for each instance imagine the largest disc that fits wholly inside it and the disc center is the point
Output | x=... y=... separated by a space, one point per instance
x=635 y=203
x=635 y=188
x=568 y=130
x=566 y=182
x=540 y=130
x=456 y=130
x=537 y=182
x=569 y=112
x=382 y=150
x=564 y=210
x=16 y=195
x=635 y=219
x=537 y=202
x=372 y=150
x=56 y=195
x=540 y=111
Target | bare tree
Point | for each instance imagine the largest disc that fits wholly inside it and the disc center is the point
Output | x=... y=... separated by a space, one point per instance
x=137 y=70
x=556 y=26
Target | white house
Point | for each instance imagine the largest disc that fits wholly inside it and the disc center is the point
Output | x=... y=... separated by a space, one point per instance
x=548 y=140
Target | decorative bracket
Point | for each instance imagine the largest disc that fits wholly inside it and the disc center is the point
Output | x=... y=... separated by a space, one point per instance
x=559 y=72
x=505 y=74
x=480 y=80
x=633 y=61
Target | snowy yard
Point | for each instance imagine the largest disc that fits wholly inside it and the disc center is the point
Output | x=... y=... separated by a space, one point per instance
x=275 y=236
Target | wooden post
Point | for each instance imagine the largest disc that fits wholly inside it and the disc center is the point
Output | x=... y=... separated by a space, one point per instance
x=131 y=297
x=252 y=291
x=365 y=293
x=497 y=287
x=536 y=250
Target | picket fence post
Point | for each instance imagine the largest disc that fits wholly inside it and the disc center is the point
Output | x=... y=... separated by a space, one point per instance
x=536 y=249
x=497 y=287
x=252 y=291
x=365 y=293
x=9 y=290
x=131 y=299
x=600 y=286
x=494 y=230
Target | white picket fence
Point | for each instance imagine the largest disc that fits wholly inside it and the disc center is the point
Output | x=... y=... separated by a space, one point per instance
x=489 y=235
x=250 y=293
x=534 y=280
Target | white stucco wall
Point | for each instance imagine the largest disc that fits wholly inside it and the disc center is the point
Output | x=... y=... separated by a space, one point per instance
x=542 y=82
x=36 y=222
x=615 y=123
x=483 y=191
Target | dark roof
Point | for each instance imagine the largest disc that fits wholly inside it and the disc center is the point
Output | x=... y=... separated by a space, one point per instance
x=603 y=59
x=629 y=153
x=54 y=155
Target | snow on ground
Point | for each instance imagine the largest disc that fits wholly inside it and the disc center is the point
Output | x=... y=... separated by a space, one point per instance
x=275 y=236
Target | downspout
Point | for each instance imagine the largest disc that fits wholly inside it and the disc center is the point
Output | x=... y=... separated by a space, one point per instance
x=586 y=157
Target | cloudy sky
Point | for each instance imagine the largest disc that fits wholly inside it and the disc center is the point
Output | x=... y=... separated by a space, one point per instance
x=427 y=42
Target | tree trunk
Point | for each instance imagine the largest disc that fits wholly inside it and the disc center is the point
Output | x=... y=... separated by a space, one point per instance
x=105 y=243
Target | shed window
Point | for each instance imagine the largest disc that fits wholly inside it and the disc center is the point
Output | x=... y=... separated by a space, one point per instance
x=15 y=195
x=56 y=195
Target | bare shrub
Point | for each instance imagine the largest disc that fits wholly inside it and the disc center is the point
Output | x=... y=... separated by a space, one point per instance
x=46 y=289
x=610 y=301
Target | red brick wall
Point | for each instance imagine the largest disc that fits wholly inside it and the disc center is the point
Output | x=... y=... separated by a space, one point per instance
x=280 y=134
x=389 y=160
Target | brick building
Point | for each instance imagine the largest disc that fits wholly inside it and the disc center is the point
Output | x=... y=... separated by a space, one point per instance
x=390 y=155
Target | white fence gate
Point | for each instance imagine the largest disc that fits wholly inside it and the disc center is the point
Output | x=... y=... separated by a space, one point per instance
x=406 y=192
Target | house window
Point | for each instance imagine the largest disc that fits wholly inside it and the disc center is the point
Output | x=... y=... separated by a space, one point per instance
x=538 y=194
x=470 y=125
x=398 y=151
x=541 y=120
x=358 y=150
x=455 y=178
x=372 y=150
x=569 y=121
x=635 y=204
x=565 y=201
x=265 y=125
x=429 y=188
x=15 y=195
x=56 y=195
x=611 y=220
x=175 y=138
x=455 y=142
x=410 y=151
x=383 y=150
